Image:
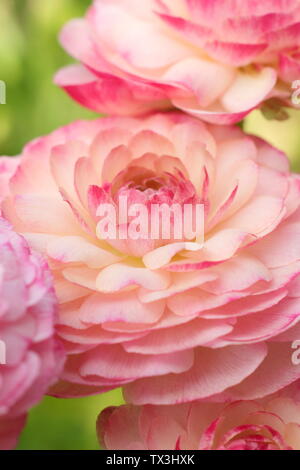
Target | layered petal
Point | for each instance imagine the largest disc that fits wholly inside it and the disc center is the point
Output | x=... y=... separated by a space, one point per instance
x=174 y=250
x=30 y=356
x=217 y=62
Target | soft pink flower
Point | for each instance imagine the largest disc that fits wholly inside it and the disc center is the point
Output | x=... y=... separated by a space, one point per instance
x=8 y=167
x=31 y=358
x=171 y=322
x=242 y=425
x=214 y=59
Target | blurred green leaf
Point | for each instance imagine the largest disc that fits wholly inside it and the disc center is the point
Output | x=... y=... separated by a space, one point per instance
x=66 y=424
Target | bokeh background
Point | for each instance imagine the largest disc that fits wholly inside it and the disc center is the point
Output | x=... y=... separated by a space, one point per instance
x=29 y=56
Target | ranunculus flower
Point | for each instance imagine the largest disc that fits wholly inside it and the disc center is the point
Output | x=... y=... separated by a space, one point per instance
x=7 y=168
x=242 y=425
x=30 y=358
x=214 y=59
x=172 y=322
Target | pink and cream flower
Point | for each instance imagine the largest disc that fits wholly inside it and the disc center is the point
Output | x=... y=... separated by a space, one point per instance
x=214 y=59
x=8 y=167
x=242 y=425
x=178 y=321
x=30 y=357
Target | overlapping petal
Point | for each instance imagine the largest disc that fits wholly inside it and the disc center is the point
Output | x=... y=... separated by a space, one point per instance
x=216 y=61
x=31 y=357
x=172 y=320
x=272 y=424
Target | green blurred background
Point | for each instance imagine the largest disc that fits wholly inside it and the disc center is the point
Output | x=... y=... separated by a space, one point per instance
x=29 y=56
